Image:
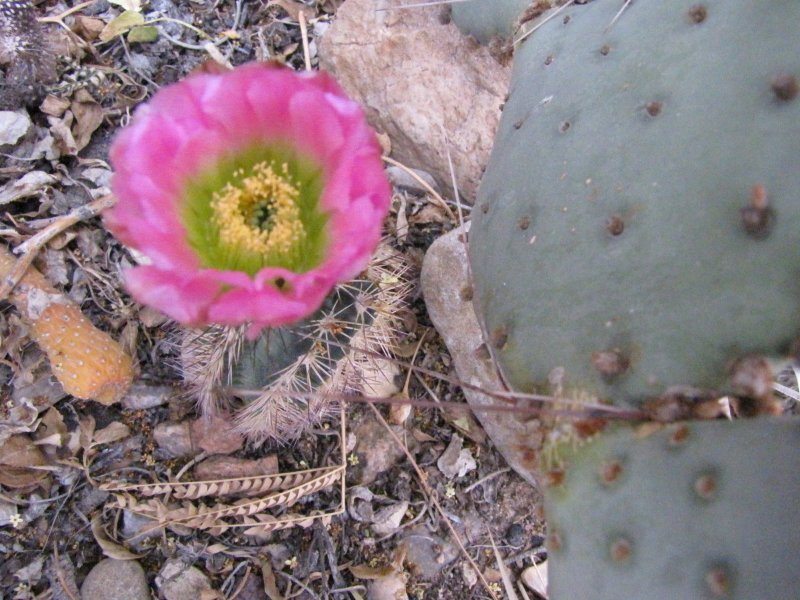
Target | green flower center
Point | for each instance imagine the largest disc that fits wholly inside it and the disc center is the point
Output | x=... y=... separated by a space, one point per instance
x=255 y=209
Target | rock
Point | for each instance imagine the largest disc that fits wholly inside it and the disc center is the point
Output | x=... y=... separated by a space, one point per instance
x=137 y=529
x=516 y=535
x=448 y=296
x=216 y=435
x=403 y=179
x=13 y=125
x=376 y=451
x=388 y=587
x=535 y=578
x=174 y=439
x=228 y=467
x=179 y=581
x=417 y=79
x=427 y=553
x=112 y=579
x=142 y=396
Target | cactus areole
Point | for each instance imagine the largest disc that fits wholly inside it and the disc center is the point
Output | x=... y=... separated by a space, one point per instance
x=639 y=222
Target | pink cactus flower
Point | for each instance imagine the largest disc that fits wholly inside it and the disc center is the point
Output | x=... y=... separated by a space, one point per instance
x=252 y=192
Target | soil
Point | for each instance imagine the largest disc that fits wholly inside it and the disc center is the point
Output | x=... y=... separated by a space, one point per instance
x=57 y=521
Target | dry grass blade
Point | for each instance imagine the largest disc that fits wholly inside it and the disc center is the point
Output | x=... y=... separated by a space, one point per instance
x=504 y=572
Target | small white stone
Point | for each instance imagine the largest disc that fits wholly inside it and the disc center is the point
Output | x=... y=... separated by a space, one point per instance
x=13 y=125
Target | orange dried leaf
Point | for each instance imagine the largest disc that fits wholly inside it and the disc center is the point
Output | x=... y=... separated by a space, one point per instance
x=88 y=363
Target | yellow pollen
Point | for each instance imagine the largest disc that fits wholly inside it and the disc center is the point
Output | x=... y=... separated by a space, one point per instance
x=260 y=213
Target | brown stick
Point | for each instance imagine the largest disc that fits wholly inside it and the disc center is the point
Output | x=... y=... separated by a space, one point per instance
x=31 y=247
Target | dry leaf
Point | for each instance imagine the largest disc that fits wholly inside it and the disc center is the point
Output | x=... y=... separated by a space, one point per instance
x=61 y=130
x=123 y=23
x=455 y=461
x=54 y=106
x=88 y=117
x=270 y=584
x=17 y=455
x=144 y=34
x=88 y=28
x=367 y=572
x=113 y=432
x=110 y=549
x=28 y=185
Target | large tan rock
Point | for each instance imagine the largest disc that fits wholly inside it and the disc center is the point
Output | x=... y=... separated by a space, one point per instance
x=448 y=296
x=420 y=80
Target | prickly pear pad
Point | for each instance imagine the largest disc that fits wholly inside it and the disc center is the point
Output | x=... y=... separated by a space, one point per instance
x=639 y=221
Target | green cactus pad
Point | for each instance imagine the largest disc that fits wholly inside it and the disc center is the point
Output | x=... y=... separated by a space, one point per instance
x=699 y=510
x=485 y=19
x=621 y=230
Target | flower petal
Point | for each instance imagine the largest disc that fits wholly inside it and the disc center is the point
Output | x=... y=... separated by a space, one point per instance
x=190 y=129
x=184 y=297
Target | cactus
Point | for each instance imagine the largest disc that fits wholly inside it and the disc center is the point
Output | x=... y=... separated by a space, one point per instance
x=639 y=217
x=294 y=374
x=691 y=510
x=484 y=19
x=27 y=61
x=635 y=242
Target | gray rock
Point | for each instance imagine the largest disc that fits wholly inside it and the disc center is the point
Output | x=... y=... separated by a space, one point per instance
x=143 y=396
x=448 y=295
x=112 y=579
x=404 y=180
x=179 y=581
x=174 y=439
x=388 y=587
x=418 y=77
x=13 y=125
x=427 y=553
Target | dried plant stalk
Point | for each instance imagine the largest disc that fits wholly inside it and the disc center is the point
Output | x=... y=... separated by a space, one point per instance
x=87 y=362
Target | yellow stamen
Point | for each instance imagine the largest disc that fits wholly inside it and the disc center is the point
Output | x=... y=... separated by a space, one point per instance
x=260 y=214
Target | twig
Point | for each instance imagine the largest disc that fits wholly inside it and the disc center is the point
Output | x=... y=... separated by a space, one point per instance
x=471 y=487
x=786 y=391
x=437 y=198
x=301 y=17
x=31 y=247
x=501 y=566
x=59 y=18
x=429 y=492
x=453 y=181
